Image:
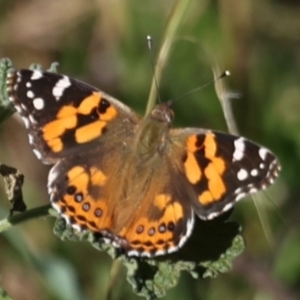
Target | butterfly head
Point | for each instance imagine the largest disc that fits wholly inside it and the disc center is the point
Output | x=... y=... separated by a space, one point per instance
x=163 y=112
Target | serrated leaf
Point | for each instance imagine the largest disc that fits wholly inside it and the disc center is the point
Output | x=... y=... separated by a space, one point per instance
x=209 y=252
x=6 y=109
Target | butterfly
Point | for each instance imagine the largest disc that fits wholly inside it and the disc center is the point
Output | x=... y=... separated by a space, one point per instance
x=134 y=181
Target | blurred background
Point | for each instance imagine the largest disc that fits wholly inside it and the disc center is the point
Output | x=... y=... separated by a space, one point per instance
x=104 y=43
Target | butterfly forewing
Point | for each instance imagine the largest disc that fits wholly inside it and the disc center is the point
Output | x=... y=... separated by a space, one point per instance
x=64 y=115
x=222 y=168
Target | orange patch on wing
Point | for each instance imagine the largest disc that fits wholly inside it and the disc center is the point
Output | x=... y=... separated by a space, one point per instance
x=79 y=178
x=192 y=169
x=98 y=178
x=178 y=210
x=161 y=201
x=67 y=118
x=191 y=143
x=56 y=145
x=89 y=103
x=215 y=183
x=205 y=198
x=56 y=128
x=219 y=164
x=89 y=132
x=102 y=204
x=210 y=146
x=109 y=114
x=173 y=212
x=66 y=111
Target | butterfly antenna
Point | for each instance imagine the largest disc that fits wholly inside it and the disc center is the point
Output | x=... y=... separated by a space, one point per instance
x=224 y=74
x=150 y=48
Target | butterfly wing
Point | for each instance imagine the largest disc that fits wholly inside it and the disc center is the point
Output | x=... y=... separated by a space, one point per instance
x=163 y=220
x=139 y=210
x=65 y=115
x=221 y=168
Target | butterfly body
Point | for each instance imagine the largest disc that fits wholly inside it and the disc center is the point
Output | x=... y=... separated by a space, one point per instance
x=136 y=182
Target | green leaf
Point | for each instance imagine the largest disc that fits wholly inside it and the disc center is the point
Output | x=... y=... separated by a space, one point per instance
x=208 y=252
x=6 y=108
x=3 y=295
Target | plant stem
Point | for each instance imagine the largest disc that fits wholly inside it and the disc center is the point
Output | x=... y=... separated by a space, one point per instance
x=175 y=20
x=41 y=211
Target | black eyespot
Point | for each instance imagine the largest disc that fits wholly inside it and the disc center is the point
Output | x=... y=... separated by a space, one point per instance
x=98 y=212
x=86 y=206
x=71 y=189
x=162 y=228
x=103 y=106
x=140 y=229
x=171 y=226
x=78 y=197
x=151 y=231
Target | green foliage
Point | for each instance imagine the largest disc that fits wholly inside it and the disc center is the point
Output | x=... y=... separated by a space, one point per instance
x=208 y=252
x=105 y=45
x=3 y=295
x=6 y=109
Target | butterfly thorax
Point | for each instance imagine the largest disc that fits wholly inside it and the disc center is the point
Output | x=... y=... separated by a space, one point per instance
x=145 y=158
x=152 y=132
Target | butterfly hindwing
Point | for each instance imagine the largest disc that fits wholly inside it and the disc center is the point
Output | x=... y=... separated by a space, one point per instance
x=142 y=213
x=162 y=222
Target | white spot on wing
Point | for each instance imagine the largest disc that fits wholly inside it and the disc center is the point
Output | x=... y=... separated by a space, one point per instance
x=18 y=108
x=263 y=153
x=240 y=196
x=76 y=227
x=37 y=153
x=30 y=94
x=160 y=252
x=212 y=216
x=254 y=190
x=38 y=103
x=227 y=206
x=32 y=119
x=30 y=139
x=67 y=219
x=56 y=207
x=60 y=86
x=254 y=172
x=133 y=253
x=24 y=107
x=26 y=122
x=239 y=150
x=52 y=176
x=36 y=74
x=242 y=174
